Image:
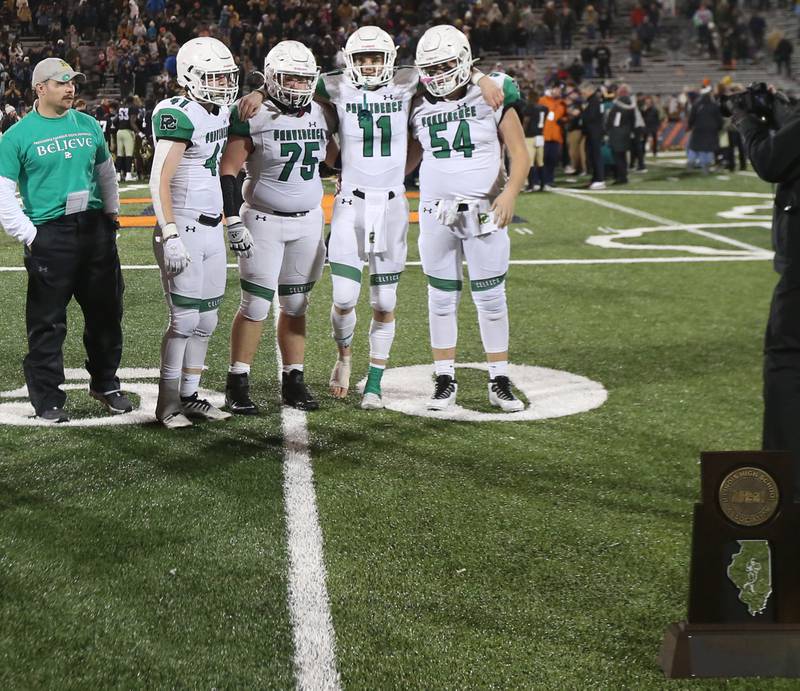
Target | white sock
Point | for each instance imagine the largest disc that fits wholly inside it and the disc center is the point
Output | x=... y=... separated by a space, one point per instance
x=189 y=384
x=498 y=369
x=239 y=368
x=289 y=368
x=447 y=367
x=344 y=326
x=381 y=336
x=194 y=358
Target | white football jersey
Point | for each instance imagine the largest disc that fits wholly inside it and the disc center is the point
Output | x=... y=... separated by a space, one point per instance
x=461 y=150
x=373 y=127
x=283 y=169
x=195 y=185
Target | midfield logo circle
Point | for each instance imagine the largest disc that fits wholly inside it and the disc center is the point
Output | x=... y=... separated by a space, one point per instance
x=550 y=393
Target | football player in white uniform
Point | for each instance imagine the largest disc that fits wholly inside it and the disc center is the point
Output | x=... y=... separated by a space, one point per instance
x=370 y=216
x=281 y=148
x=191 y=132
x=466 y=203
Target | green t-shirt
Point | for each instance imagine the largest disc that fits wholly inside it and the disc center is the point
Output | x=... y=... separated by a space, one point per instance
x=52 y=158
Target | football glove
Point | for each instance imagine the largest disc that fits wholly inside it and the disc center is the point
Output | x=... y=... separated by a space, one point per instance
x=176 y=258
x=239 y=238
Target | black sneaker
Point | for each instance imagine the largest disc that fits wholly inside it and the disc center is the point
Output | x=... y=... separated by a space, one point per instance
x=53 y=415
x=501 y=396
x=116 y=402
x=444 y=393
x=295 y=393
x=237 y=395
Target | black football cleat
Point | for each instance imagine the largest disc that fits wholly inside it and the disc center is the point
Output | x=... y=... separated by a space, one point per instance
x=295 y=393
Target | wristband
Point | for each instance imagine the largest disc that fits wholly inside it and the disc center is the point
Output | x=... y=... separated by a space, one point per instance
x=477 y=75
x=231 y=220
x=170 y=230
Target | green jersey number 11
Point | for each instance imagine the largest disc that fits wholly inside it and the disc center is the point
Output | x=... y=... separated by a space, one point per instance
x=384 y=124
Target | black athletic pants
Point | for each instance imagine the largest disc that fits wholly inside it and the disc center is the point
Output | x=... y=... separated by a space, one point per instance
x=782 y=370
x=74 y=255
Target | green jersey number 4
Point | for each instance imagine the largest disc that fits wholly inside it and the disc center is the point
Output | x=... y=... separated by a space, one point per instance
x=462 y=141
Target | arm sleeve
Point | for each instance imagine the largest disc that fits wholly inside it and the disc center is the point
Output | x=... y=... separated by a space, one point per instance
x=12 y=218
x=109 y=189
x=231 y=195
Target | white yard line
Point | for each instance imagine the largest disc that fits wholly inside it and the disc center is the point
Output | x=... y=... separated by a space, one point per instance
x=662 y=221
x=309 y=607
x=531 y=262
x=675 y=193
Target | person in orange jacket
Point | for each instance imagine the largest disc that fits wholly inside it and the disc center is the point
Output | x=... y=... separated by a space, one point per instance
x=553 y=133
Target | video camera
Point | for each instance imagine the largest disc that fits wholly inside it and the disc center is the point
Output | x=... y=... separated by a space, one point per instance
x=759 y=100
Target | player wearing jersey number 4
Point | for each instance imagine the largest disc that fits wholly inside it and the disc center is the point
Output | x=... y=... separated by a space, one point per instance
x=370 y=214
x=465 y=205
x=191 y=132
x=281 y=148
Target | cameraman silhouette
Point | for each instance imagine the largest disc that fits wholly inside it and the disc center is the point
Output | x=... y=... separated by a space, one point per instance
x=769 y=123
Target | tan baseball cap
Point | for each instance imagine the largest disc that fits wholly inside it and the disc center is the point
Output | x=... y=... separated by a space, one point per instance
x=56 y=69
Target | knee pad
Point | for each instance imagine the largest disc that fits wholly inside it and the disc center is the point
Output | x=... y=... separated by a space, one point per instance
x=442 y=303
x=345 y=292
x=383 y=298
x=183 y=322
x=293 y=305
x=254 y=307
x=206 y=323
x=491 y=303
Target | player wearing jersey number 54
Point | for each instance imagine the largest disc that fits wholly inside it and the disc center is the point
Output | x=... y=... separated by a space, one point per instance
x=191 y=132
x=66 y=178
x=466 y=203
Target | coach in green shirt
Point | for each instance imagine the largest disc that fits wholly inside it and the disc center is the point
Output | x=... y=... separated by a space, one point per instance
x=59 y=159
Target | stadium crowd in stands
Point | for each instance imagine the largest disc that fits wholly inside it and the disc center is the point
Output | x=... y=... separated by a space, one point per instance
x=132 y=44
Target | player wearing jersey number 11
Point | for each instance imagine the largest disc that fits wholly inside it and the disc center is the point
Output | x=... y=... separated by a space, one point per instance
x=466 y=202
x=191 y=132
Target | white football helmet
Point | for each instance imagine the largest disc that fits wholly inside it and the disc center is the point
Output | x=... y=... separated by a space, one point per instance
x=291 y=59
x=370 y=39
x=438 y=46
x=200 y=63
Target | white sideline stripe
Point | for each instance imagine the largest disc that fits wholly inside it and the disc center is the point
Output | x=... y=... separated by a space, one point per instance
x=309 y=607
x=764 y=254
x=676 y=193
x=661 y=220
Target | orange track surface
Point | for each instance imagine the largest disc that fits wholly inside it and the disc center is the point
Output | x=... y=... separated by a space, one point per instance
x=144 y=221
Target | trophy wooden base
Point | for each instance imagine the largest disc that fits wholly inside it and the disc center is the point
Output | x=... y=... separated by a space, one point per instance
x=731 y=650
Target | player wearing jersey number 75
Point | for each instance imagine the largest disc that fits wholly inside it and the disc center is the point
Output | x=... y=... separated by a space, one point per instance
x=66 y=178
x=466 y=203
x=281 y=148
x=190 y=133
